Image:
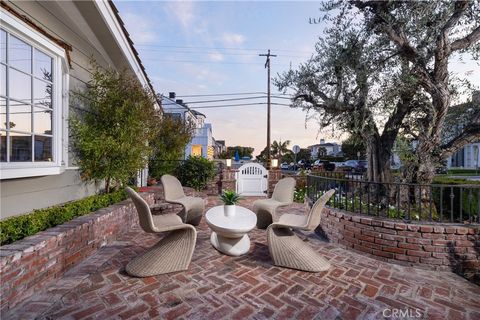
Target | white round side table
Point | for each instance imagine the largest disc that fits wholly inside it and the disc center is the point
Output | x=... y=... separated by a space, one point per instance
x=229 y=234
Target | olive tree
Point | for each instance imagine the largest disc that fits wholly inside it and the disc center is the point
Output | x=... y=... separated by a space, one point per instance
x=428 y=34
x=355 y=83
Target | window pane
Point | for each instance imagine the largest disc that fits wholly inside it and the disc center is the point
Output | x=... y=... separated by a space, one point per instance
x=21 y=147
x=19 y=54
x=3 y=113
x=3 y=80
x=19 y=86
x=20 y=116
x=43 y=148
x=42 y=93
x=42 y=121
x=3 y=46
x=3 y=146
x=42 y=66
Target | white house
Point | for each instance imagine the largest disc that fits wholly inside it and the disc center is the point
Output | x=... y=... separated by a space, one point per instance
x=45 y=52
x=202 y=143
x=330 y=148
x=467 y=157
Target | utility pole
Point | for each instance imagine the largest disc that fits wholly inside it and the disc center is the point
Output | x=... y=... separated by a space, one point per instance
x=267 y=65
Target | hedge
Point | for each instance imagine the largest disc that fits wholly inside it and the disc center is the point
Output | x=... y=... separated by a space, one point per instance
x=19 y=227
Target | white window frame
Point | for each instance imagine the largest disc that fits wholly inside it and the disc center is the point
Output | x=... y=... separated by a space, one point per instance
x=11 y=170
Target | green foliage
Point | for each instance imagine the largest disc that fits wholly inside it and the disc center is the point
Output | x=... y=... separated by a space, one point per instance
x=111 y=136
x=19 y=227
x=299 y=194
x=169 y=146
x=352 y=145
x=455 y=181
x=464 y=172
x=470 y=197
x=242 y=152
x=230 y=197
x=196 y=172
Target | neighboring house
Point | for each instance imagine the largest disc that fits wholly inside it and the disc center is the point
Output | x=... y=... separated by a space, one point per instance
x=469 y=156
x=329 y=148
x=202 y=143
x=46 y=49
x=220 y=148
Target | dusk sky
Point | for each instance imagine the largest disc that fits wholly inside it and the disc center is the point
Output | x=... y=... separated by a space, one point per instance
x=198 y=48
x=212 y=48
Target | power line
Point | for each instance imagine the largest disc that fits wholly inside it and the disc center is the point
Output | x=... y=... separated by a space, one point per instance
x=219 y=100
x=220 y=94
x=216 y=48
x=206 y=61
x=217 y=52
x=232 y=94
x=229 y=105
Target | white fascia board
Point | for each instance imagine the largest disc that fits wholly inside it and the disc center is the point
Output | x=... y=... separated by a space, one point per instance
x=122 y=41
x=20 y=27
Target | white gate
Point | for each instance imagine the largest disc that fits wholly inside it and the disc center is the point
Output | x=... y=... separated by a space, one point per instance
x=252 y=180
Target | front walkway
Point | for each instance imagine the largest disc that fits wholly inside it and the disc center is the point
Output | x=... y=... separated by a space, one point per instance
x=218 y=286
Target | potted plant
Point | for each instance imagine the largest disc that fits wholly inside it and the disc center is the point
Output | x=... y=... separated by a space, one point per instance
x=230 y=199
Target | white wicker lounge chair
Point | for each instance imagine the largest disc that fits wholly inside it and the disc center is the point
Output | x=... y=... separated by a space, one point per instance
x=172 y=253
x=287 y=249
x=193 y=207
x=282 y=196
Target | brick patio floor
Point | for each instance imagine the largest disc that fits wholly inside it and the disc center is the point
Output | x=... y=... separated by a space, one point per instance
x=249 y=287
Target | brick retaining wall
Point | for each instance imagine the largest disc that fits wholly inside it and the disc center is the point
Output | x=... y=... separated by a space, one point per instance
x=436 y=246
x=32 y=263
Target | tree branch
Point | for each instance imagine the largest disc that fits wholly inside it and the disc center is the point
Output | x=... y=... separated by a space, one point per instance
x=471 y=134
x=465 y=42
x=330 y=105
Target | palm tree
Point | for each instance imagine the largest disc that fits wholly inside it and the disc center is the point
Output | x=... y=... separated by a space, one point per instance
x=278 y=149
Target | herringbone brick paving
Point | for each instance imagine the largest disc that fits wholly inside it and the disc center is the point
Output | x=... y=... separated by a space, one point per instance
x=249 y=287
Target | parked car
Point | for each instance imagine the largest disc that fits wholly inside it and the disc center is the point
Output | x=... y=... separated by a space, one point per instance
x=324 y=164
x=361 y=167
x=305 y=164
x=350 y=165
x=285 y=166
x=319 y=164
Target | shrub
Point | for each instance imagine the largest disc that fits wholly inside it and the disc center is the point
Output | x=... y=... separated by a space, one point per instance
x=19 y=227
x=470 y=197
x=169 y=146
x=111 y=135
x=196 y=172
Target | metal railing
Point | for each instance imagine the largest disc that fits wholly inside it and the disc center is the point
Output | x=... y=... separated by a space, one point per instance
x=403 y=201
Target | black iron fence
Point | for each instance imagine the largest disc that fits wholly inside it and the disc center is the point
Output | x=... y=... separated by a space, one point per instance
x=453 y=203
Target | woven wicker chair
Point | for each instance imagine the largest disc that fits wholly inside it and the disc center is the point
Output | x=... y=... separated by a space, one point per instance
x=266 y=208
x=172 y=253
x=287 y=249
x=193 y=207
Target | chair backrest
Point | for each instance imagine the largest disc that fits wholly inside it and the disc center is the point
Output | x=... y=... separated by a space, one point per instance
x=284 y=189
x=172 y=188
x=143 y=210
x=314 y=215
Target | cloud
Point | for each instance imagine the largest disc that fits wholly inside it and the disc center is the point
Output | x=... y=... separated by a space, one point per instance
x=233 y=38
x=216 y=56
x=140 y=28
x=183 y=11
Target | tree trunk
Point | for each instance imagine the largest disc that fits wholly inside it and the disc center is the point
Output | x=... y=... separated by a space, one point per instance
x=107 y=185
x=378 y=157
